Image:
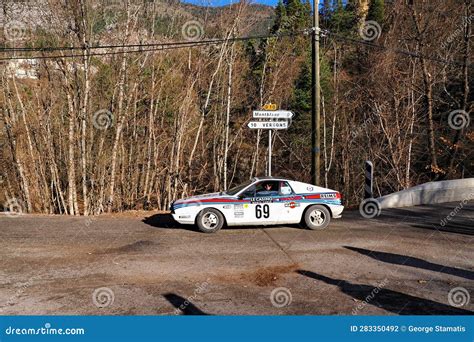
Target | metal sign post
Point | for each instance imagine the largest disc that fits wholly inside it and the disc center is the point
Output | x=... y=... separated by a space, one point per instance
x=270 y=152
x=272 y=113
x=369 y=180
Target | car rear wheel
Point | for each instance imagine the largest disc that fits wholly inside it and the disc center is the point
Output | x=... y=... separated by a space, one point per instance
x=210 y=220
x=317 y=217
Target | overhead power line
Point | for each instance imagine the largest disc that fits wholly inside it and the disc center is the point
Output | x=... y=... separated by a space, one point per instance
x=385 y=48
x=116 y=46
x=134 y=48
x=117 y=52
x=155 y=47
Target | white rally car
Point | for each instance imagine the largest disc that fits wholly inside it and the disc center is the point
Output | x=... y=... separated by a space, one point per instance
x=261 y=201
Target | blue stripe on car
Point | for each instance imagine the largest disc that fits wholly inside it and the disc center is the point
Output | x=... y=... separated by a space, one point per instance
x=310 y=200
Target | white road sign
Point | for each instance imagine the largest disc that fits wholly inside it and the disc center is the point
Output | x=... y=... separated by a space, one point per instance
x=268 y=124
x=273 y=114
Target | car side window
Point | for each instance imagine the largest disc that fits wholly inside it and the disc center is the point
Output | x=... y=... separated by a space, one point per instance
x=285 y=188
x=267 y=188
x=250 y=192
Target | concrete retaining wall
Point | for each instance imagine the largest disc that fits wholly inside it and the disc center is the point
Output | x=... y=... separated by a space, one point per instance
x=431 y=193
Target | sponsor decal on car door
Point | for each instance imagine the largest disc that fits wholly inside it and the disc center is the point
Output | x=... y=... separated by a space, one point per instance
x=289 y=208
x=258 y=204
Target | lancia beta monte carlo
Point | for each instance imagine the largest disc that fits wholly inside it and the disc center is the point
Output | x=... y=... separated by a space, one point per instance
x=261 y=201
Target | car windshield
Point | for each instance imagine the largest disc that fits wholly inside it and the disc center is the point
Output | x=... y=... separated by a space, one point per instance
x=233 y=191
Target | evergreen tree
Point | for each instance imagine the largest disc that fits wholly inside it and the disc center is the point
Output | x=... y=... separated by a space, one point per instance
x=376 y=11
x=281 y=17
x=344 y=18
x=292 y=15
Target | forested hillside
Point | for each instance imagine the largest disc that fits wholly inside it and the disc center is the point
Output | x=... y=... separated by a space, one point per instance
x=91 y=130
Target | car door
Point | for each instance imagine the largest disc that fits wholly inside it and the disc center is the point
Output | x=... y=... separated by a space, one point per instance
x=243 y=210
x=288 y=205
x=258 y=204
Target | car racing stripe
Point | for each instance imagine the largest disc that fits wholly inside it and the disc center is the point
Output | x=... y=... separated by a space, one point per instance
x=302 y=199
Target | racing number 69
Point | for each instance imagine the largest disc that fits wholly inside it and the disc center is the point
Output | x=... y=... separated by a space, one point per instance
x=266 y=211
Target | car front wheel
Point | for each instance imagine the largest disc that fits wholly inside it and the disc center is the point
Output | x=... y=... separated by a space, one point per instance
x=317 y=217
x=210 y=220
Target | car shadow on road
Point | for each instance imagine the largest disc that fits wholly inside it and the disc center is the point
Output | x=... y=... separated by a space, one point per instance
x=166 y=221
x=393 y=301
x=184 y=305
x=404 y=260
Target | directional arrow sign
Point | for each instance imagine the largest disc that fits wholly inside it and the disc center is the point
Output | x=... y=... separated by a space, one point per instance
x=273 y=114
x=268 y=124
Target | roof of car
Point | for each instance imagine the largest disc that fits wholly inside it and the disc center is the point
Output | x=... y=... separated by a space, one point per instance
x=268 y=178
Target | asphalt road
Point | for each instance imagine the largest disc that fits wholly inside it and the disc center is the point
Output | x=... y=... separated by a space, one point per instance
x=402 y=262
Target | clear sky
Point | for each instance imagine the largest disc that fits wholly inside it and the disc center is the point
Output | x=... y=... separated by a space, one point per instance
x=226 y=2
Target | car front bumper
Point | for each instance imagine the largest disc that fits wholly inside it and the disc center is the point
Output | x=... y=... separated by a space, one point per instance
x=183 y=218
x=184 y=215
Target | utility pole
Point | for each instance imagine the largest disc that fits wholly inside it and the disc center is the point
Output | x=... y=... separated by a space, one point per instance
x=315 y=99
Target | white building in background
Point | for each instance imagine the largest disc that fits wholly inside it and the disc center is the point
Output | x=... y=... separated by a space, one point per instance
x=23 y=68
x=28 y=68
